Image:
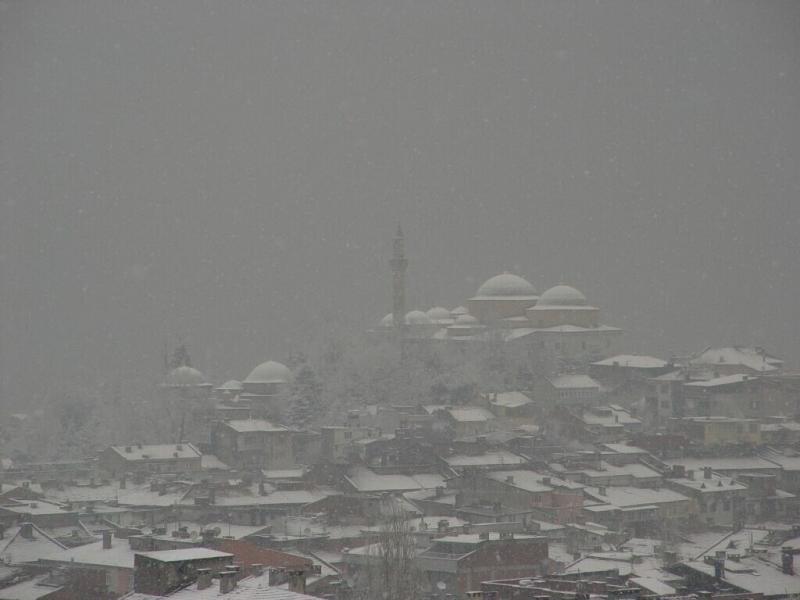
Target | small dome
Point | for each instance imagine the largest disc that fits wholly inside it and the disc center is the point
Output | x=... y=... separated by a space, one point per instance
x=232 y=385
x=459 y=310
x=466 y=320
x=270 y=372
x=506 y=284
x=417 y=317
x=562 y=295
x=388 y=320
x=185 y=376
x=438 y=313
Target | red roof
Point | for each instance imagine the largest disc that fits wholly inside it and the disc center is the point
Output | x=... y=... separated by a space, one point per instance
x=247 y=553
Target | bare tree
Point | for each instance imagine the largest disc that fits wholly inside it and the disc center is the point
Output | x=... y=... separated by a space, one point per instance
x=391 y=572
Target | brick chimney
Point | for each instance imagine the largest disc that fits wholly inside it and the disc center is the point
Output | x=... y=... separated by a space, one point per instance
x=297 y=581
x=787 y=560
x=107 y=539
x=26 y=531
x=227 y=581
x=706 y=472
x=203 y=579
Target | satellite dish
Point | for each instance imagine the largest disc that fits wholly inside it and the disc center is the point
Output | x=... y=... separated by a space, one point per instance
x=441 y=585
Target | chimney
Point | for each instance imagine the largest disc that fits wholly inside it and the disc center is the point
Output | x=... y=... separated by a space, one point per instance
x=719 y=568
x=706 y=472
x=297 y=581
x=510 y=479
x=26 y=531
x=107 y=539
x=227 y=581
x=787 y=560
x=203 y=579
x=601 y=490
x=442 y=525
x=276 y=577
x=690 y=474
x=122 y=483
x=128 y=449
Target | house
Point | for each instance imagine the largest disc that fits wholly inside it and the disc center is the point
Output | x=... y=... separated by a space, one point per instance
x=523 y=491
x=717 y=431
x=468 y=421
x=731 y=360
x=716 y=500
x=337 y=444
x=510 y=405
x=459 y=563
x=639 y=510
x=150 y=458
x=609 y=423
x=738 y=395
x=572 y=390
x=253 y=443
x=166 y=571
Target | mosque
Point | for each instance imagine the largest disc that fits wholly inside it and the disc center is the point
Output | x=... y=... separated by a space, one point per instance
x=506 y=308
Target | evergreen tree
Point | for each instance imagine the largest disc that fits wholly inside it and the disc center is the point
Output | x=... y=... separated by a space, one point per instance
x=304 y=403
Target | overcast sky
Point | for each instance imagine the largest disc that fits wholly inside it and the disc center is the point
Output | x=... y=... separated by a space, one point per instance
x=233 y=172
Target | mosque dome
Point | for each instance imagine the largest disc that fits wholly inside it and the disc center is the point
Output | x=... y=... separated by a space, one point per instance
x=417 y=317
x=388 y=320
x=185 y=376
x=506 y=285
x=270 y=372
x=438 y=313
x=562 y=295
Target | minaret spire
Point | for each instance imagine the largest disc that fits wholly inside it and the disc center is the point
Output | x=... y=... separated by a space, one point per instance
x=399 y=265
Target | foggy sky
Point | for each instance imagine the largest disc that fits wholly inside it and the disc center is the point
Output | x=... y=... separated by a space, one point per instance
x=232 y=172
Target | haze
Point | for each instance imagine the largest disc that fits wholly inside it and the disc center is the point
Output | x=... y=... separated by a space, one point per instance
x=231 y=173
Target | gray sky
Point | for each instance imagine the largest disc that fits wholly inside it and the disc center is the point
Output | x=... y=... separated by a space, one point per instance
x=233 y=171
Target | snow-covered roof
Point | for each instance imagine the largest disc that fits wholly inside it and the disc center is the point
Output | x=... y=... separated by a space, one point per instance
x=33 y=589
x=506 y=285
x=716 y=484
x=487 y=459
x=634 y=361
x=608 y=416
x=752 y=358
x=510 y=399
x=270 y=372
x=119 y=555
x=574 y=381
x=624 y=449
x=366 y=480
x=625 y=496
x=16 y=549
x=754 y=575
x=732 y=463
x=137 y=452
x=183 y=554
x=721 y=381
x=531 y=481
x=254 y=425
x=470 y=414
x=249 y=588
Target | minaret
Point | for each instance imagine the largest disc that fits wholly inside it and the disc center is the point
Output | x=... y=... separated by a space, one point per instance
x=399 y=265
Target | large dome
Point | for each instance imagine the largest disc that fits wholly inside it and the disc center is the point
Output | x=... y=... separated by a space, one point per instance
x=506 y=285
x=562 y=295
x=185 y=376
x=270 y=372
